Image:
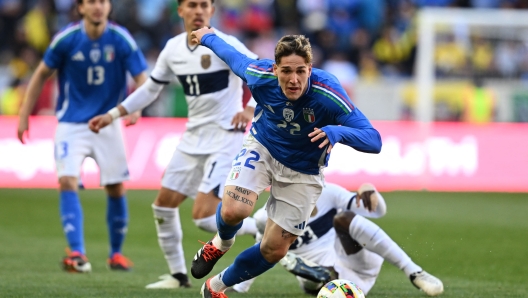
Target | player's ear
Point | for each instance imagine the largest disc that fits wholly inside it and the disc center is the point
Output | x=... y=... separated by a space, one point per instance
x=275 y=67
x=310 y=69
x=180 y=11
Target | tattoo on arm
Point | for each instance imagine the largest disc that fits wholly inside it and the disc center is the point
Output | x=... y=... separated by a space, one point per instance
x=242 y=190
x=236 y=197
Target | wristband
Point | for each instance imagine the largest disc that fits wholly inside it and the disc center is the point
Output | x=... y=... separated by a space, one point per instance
x=115 y=113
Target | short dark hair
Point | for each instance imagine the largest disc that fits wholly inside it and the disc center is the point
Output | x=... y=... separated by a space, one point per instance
x=293 y=44
x=181 y=1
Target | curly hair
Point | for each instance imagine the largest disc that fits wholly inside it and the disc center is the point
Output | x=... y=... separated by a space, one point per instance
x=293 y=44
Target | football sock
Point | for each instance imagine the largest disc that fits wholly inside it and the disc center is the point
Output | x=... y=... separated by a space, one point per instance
x=248 y=264
x=170 y=237
x=117 y=221
x=373 y=238
x=207 y=224
x=244 y=286
x=226 y=233
x=72 y=220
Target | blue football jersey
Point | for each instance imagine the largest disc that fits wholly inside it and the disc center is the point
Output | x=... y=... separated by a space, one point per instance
x=283 y=125
x=92 y=73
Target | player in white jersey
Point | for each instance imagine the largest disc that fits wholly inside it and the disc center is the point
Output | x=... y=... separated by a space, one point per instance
x=214 y=134
x=360 y=246
x=92 y=58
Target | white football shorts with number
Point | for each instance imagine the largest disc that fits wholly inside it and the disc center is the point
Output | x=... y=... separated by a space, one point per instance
x=75 y=141
x=213 y=93
x=292 y=195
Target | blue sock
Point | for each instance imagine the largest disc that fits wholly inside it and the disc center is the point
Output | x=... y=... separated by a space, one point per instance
x=248 y=264
x=117 y=220
x=225 y=231
x=72 y=220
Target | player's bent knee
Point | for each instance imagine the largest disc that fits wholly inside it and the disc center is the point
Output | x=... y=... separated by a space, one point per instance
x=342 y=221
x=169 y=198
x=68 y=183
x=115 y=190
x=232 y=215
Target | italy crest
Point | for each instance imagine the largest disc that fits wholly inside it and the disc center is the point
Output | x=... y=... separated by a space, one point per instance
x=309 y=115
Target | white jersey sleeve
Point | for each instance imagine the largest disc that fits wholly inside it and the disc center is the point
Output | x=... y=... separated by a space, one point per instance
x=162 y=73
x=239 y=46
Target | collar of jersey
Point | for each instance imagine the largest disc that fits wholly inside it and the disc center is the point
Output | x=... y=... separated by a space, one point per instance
x=83 y=29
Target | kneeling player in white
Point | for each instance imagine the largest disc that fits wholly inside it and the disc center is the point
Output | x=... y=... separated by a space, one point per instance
x=360 y=246
x=213 y=137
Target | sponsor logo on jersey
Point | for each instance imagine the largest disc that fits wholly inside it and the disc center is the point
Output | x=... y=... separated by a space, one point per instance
x=288 y=114
x=95 y=55
x=309 y=115
x=206 y=61
x=235 y=172
x=78 y=56
x=109 y=53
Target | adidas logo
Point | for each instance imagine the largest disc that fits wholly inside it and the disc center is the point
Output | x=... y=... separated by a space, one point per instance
x=78 y=56
x=301 y=225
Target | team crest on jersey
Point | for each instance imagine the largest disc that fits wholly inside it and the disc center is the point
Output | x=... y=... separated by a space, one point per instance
x=206 y=61
x=235 y=172
x=95 y=55
x=288 y=114
x=109 y=53
x=309 y=115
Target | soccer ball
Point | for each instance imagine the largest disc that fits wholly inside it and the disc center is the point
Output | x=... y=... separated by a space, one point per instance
x=340 y=288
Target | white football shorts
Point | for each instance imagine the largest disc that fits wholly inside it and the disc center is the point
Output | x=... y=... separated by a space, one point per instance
x=75 y=141
x=293 y=194
x=189 y=173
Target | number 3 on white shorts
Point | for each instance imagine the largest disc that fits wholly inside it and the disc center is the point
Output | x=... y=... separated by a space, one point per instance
x=252 y=156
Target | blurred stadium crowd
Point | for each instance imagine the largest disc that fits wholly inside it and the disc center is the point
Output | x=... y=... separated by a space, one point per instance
x=365 y=40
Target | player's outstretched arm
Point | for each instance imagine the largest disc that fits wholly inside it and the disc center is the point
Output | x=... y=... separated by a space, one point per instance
x=100 y=121
x=133 y=118
x=41 y=74
x=237 y=61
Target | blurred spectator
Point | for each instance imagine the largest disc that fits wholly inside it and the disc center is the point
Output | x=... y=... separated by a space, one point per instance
x=479 y=102
x=344 y=70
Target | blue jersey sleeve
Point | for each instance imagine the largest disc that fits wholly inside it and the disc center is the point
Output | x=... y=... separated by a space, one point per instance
x=135 y=62
x=354 y=129
x=53 y=57
x=237 y=61
x=356 y=132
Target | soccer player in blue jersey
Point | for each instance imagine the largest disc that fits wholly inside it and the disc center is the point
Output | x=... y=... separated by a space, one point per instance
x=92 y=58
x=302 y=113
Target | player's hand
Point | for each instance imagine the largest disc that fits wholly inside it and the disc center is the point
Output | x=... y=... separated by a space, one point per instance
x=23 y=128
x=196 y=36
x=132 y=119
x=241 y=119
x=367 y=194
x=98 y=122
x=319 y=134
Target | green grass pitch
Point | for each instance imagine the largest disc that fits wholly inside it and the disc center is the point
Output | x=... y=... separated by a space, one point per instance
x=477 y=244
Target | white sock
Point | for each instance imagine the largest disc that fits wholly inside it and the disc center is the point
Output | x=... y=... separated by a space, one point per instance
x=207 y=224
x=244 y=286
x=249 y=227
x=221 y=244
x=373 y=238
x=170 y=237
x=217 y=284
